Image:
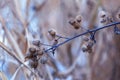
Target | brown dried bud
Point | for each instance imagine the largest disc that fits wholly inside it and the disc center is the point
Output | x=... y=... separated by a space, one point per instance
x=90 y=45
x=36 y=43
x=78 y=18
x=30 y=56
x=103 y=17
x=75 y=24
x=40 y=52
x=32 y=50
x=31 y=53
x=52 y=32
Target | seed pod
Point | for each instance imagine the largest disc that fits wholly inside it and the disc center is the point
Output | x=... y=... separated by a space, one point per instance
x=43 y=59
x=36 y=43
x=32 y=50
x=103 y=16
x=52 y=32
x=90 y=45
x=75 y=24
x=78 y=18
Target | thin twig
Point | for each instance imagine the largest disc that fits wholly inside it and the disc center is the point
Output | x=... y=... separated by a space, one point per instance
x=62 y=37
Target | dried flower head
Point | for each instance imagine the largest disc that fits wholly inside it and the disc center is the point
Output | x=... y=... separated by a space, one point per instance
x=36 y=43
x=31 y=53
x=32 y=49
x=103 y=16
x=74 y=23
x=78 y=18
x=90 y=45
x=52 y=32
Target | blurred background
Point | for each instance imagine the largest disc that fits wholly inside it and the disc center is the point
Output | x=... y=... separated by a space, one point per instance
x=22 y=21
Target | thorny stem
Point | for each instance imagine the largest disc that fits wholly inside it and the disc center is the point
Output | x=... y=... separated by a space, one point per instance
x=89 y=31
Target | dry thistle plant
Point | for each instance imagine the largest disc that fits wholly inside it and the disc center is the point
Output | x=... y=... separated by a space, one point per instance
x=42 y=30
x=37 y=53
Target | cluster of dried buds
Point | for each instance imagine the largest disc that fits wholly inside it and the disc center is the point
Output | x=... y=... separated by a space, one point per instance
x=36 y=54
x=103 y=17
x=88 y=44
x=106 y=18
x=76 y=23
